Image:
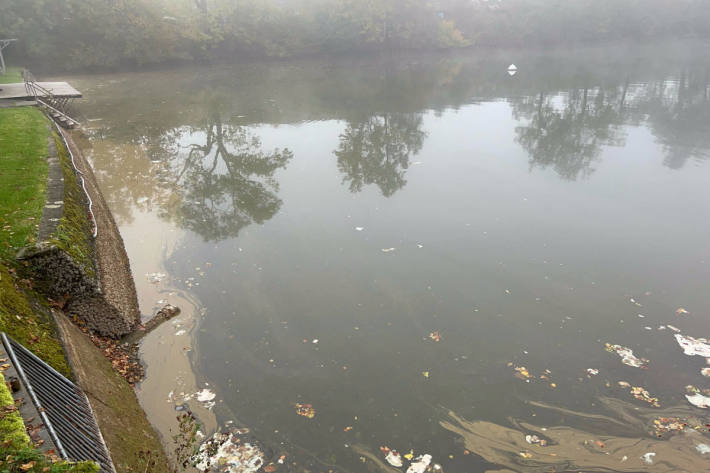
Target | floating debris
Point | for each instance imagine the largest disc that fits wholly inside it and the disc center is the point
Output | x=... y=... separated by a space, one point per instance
x=592 y=372
x=642 y=395
x=702 y=448
x=409 y=455
x=705 y=372
x=526 y=455
x=394 y=458
x=669 y=424
x=387 y=250
x=420 y=464
x=675 y=329
x=305 y=410
x=693 y=346
x=206 y=397
x=681 y=311
x=627 y=356
x=648 y=457
x=425 y=374
x=155 y=278
x=535 y=440
x=522 y=372
x=224 y=452
x=359 y=229
x=435 y=336
x=698 y=400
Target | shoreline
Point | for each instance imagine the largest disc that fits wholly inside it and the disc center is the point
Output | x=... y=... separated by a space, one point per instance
x=163 y=355
x=96 y=373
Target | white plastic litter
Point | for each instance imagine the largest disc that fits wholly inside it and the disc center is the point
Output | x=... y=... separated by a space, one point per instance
x=693 y=346
x=698 y=400
x=394 y=458
x=419 y=464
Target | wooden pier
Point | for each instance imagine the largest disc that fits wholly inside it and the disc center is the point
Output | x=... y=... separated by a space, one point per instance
x=18 y=91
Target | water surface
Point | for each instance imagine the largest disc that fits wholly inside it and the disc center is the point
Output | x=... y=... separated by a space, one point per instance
x=330 y=219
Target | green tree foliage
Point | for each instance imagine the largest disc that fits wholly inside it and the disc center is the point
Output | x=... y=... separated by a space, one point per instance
x=72 y=34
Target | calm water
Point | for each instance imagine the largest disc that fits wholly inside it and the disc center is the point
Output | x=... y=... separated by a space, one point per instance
x=329 y=217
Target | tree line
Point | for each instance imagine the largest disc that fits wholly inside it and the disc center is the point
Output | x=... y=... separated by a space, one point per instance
x=79 y=34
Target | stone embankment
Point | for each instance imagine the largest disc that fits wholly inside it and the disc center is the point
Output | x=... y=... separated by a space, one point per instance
x=87 y=277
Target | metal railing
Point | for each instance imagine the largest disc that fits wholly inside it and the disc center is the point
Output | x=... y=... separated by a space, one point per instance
x=34 y=89
x=46 y=98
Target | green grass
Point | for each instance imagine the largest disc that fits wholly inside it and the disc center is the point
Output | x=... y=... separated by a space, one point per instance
x=73 y=234
x=13 y=74
x=12 y=428
x=26 y=318
x=23 y=177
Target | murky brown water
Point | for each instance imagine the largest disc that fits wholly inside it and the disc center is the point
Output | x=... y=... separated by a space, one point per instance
x=388 y=239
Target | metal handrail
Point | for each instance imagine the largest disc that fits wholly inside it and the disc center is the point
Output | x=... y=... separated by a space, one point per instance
x=45 y=96
x=31 y=87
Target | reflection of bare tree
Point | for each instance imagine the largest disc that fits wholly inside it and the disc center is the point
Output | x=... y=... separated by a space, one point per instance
x=567 y=132
x=377 y=150
x=227 y=183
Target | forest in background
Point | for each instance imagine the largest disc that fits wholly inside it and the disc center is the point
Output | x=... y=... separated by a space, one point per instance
x=86 y=34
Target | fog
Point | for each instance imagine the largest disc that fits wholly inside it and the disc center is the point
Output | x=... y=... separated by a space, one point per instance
x=102 y=34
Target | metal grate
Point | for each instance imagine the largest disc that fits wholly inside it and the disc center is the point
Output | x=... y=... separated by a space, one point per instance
x=64 y=408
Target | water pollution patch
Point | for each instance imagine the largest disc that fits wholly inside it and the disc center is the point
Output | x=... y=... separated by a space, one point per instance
x=227 y=453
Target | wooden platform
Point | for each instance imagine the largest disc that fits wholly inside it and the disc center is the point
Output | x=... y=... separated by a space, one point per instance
x=58 y=89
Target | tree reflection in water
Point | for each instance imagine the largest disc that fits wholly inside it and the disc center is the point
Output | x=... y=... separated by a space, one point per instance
x=679 y=115
x=228 y=182
x=377 y=150
x=566 y=132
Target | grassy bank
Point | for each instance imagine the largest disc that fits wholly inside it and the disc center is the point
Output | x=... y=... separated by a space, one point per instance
x=73 y=235
x=25 y=314
x=23 y=176
x=23 y=179
x=25 y=317
x=13 y=74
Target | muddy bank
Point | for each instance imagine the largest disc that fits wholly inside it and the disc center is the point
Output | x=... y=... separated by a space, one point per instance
x=122 y=421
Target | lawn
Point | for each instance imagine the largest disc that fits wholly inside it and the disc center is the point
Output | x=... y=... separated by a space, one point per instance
x=13 y=74
x=23 y=176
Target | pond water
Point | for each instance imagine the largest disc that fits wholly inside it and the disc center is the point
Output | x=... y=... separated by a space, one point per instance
x=428 y=251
